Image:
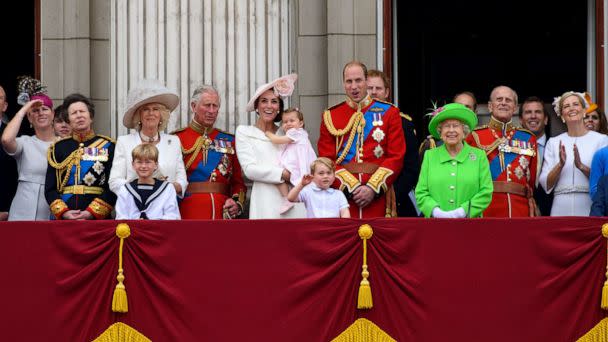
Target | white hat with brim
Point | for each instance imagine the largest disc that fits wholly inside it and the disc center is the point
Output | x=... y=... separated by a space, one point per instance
x=283 y=86
x=148 y=91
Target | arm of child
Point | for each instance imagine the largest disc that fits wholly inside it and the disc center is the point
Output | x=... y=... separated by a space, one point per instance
x=344 y=213
x=292 y=196
x=279 y=140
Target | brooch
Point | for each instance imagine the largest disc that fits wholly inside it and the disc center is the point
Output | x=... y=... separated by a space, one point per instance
x=378 y=135
x=378 y=151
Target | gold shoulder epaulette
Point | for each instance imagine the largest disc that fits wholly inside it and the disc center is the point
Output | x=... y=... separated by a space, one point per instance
x=227 y=133
x=480 y=127
x=107 y=138
x=178 y=130
x=525 y=130
x=382 y=101
x=405 y=116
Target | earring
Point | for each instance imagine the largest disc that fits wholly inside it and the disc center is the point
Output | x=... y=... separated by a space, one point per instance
x=160 y=123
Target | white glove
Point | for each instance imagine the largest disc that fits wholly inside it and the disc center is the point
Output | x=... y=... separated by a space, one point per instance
x=438 y=213
x=456 y=213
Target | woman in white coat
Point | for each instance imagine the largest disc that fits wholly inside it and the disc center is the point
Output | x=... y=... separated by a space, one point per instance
x=149 y=105
x=259 y=157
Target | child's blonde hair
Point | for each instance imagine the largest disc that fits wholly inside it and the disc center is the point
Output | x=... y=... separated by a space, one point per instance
x=145 y=151
x=297 y=111
x=322 y=161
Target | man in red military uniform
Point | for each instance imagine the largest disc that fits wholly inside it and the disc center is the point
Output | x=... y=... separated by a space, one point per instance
x=511 y=152
x=365 y=139
x=215 y=183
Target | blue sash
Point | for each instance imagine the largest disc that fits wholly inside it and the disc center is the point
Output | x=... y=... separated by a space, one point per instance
x=509 y=157
x=377 y=108
x=202 y=173
x=85 y=166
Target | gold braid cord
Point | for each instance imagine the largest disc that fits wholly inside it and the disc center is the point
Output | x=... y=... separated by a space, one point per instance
x=195 y=150
x=120 y=332
x=487 y=148
x=353 y=126
x=65 y=166
x=363 y=330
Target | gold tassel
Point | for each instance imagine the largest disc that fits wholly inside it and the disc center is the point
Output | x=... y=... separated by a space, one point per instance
x=365 y=291
x=605 y=288
x=119 y=299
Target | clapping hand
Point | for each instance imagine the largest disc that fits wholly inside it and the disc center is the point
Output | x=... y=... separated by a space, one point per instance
x=578 y=163
x=562 y=153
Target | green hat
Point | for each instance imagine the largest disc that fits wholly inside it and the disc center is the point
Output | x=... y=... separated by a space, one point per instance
x=455 y=111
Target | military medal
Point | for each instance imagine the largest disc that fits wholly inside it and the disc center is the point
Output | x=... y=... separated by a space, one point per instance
x=98 y=167
x=378 y=134
x=89 y=179
x=378 y=151
x=377 y=120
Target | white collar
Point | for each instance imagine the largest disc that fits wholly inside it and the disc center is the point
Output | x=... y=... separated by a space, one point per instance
x=542 y=140
x=314 y=187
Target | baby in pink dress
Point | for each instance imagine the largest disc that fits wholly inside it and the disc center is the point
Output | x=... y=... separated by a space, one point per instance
x=297 y=153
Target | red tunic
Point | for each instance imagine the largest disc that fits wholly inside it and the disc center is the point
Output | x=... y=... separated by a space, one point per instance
x=514 y=162
x=375 y=155
x=214 y=172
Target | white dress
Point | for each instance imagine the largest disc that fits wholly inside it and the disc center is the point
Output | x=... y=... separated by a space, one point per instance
x=571 y=192
x=161 y=205
x=29 y=202
x=260 y=163
x=170 y=161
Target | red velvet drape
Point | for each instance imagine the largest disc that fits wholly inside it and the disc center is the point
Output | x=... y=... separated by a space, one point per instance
x=297 y=280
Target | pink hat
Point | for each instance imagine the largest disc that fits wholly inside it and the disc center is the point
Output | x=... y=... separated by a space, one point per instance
x=45 y=100
x=283 y=86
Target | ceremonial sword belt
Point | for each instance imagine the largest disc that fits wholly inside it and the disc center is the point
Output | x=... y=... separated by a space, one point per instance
x=82 y=190
x=368 y=168
x=208 y=188
x=512 y=188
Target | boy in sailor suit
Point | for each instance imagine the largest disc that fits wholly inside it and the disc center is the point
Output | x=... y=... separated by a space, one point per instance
x=146 y=198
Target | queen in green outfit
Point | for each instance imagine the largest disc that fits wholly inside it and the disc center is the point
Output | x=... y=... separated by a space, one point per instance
x=455 y=180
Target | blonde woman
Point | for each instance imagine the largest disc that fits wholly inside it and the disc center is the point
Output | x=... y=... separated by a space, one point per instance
x=149 y=105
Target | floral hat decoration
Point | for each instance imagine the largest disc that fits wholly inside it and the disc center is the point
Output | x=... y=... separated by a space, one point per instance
x=283 y=86
x=454 y=111
x=557 y=101
x=29 y=89
x=592 y=105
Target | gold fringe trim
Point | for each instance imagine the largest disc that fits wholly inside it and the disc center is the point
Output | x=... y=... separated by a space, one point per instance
x=364 y=300
x=599 y=333
x=363 y=330
x=604 y=302
x=119 y=299
x=120 y=332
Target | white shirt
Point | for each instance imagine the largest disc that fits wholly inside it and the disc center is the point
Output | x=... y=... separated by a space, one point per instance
x=322 y=203
x=170 y=161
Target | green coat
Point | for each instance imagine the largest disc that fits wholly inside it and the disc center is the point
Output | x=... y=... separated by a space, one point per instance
x=450 y=183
